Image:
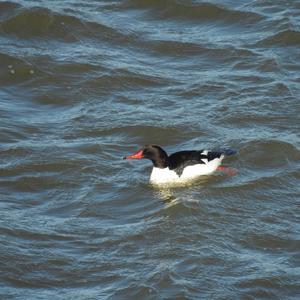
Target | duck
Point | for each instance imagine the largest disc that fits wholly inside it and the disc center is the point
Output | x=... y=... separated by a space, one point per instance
x=182 y=166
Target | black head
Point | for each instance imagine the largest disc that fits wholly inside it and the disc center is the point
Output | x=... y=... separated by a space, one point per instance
x=155 y=153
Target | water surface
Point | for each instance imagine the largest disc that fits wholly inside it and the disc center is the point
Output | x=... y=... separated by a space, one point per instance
x=83 y=83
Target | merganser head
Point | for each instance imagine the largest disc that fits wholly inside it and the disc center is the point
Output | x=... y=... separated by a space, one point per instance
x=155 y=153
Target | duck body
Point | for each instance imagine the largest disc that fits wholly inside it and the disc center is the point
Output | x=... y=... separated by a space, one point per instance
x=187 y=165
x=180 y=166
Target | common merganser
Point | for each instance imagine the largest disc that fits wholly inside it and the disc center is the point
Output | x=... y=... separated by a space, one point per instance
x=180 y=166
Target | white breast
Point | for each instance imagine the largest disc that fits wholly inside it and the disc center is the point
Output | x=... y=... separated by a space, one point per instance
x=163 y=175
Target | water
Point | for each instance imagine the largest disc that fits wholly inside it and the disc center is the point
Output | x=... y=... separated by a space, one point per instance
x=83 y=83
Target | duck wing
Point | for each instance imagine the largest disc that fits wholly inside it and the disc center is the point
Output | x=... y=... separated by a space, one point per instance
x=179 y=160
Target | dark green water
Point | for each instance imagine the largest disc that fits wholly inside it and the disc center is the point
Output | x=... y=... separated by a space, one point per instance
x=83 y=83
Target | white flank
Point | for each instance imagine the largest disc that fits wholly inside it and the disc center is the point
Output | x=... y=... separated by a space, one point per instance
x=162 y=176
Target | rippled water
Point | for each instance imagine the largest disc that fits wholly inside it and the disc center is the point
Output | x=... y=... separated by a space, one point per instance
x=83 y=83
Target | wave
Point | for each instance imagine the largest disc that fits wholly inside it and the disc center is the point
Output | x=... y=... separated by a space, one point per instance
x=269 y=154
x=28 y=234
x=270 y=164
x=123 y=79
x=8 y=8
x=130 y=132
x=173 y=9
x=283 y=38
x=42 y=23
x=187 y=49
x=15 y=70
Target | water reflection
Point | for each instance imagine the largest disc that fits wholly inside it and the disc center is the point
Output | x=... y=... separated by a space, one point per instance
x=175 y=193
